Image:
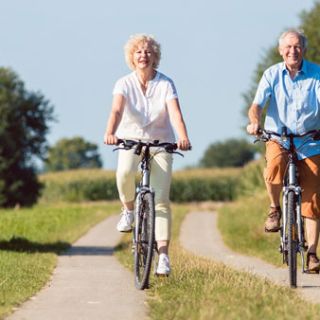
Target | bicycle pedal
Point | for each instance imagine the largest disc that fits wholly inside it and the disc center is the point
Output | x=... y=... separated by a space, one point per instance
x=162 y=275
x=312 y=271
x=127 y=231
x=271 y=231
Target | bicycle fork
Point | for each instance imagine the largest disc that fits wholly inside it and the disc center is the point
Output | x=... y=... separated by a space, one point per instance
x=298 y=218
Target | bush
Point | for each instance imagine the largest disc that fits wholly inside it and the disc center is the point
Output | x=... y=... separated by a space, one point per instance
x=79 y=185
x=96 y=184
x=203 y=189
x=251 y=179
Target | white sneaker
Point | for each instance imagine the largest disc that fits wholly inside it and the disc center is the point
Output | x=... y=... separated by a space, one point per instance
x=163 y=265
x=126 y=220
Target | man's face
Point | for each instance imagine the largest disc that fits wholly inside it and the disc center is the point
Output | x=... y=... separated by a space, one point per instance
x=292 y=51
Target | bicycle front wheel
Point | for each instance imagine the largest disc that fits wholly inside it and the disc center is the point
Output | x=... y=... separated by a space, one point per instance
x=292 y=239
x=144 y=239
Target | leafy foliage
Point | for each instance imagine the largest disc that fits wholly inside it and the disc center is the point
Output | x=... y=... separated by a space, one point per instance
x=73 y=153
x=23 y=127
x=230 y=153
x=98 y=184
x=310 y=24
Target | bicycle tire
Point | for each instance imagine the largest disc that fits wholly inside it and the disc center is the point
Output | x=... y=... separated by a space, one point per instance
x=144 y=239
x=292 y=239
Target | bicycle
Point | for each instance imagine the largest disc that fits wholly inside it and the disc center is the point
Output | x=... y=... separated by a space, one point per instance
x=292 y=238
x=144 y=244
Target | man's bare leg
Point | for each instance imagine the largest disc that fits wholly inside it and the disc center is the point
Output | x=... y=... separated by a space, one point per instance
x=312 y=234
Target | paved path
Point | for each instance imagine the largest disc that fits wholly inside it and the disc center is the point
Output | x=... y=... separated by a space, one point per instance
x=199 y=234
x=88 y=284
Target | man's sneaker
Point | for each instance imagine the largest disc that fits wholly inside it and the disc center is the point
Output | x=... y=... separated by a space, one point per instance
x=126 y=220
x=163 y=268
x=313 y=263
x=272 y=223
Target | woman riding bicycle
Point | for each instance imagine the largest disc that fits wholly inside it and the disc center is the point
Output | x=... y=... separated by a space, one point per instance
x=293 y=90
x=145 y=106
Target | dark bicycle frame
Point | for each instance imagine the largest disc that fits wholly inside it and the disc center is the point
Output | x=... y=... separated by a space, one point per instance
x=143 y=189
x=291 y=184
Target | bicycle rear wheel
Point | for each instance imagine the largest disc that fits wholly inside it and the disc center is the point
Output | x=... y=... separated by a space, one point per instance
x=292 y=239
x=144 y=239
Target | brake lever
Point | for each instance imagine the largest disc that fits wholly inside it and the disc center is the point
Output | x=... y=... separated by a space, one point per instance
x=121 y=148
x=262 y=136
x=263 y=139
x=179 y=153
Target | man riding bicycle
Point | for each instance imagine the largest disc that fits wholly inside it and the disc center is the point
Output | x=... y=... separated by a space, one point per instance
x=292 y=88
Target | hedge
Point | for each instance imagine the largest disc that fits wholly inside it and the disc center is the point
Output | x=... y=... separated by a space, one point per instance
x=98 y=184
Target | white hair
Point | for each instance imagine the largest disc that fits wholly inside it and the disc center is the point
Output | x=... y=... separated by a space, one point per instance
x=299 y=33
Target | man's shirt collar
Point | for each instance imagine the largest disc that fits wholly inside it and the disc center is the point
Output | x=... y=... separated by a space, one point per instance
x=303 y=68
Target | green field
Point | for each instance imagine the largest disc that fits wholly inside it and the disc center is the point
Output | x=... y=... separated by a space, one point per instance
x=202 y=289
x=31 y=239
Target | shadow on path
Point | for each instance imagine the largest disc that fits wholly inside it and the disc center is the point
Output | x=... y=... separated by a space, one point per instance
x=88 y=282
x=20 y=244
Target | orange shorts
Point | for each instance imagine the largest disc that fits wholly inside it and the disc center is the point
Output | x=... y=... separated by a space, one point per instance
x=309 y=176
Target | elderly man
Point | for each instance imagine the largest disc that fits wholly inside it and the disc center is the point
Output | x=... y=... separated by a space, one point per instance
x=292 y=88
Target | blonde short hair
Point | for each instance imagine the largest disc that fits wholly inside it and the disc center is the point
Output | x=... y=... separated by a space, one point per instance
x=133 y=43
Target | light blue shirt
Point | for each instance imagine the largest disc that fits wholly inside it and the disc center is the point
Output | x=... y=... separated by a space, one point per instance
x=293 y=103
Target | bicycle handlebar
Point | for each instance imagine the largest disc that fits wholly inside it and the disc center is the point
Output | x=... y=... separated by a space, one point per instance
x=129 y=144
x=266 y=135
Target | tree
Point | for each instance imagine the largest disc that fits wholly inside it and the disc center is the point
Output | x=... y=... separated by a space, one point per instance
x=310 y=24
x=24 y=118
x=230 y=153
x=73 y=153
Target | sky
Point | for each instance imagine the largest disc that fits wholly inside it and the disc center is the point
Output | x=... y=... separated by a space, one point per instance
x=72 y=52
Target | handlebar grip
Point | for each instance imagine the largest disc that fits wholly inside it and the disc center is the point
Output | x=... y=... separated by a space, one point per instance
x=138 y=149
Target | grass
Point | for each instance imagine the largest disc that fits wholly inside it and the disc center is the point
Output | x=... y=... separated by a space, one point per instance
x=30 y=240
x=202 y=289
x=92 y=174
x=206 y=173
x=242 y=227
x=76 y=174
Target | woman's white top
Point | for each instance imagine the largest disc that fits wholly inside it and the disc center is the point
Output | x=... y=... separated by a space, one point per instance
x=146 y=116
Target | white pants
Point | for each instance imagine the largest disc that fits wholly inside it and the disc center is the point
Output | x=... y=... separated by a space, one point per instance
x=160 y=180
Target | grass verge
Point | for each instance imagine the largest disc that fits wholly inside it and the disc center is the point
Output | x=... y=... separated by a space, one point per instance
x=30 y=240
x=242 y=227
x=202 y=289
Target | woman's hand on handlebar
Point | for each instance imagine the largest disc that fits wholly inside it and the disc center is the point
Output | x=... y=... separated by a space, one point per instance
x=110 y=139
x=184 y=144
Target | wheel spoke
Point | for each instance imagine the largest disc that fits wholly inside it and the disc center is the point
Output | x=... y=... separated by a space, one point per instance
x=292 y=239
x=145 y=240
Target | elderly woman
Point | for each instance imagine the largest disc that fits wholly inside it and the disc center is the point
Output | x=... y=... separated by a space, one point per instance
x=145 y=107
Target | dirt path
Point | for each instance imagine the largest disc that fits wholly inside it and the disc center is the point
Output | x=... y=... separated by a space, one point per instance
x=88 y=283
x=199 y=234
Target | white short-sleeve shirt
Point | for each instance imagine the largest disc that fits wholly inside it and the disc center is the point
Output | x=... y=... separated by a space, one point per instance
x=146 y=117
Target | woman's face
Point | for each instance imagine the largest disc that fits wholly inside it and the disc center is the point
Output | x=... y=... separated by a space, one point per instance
x=143 y=56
